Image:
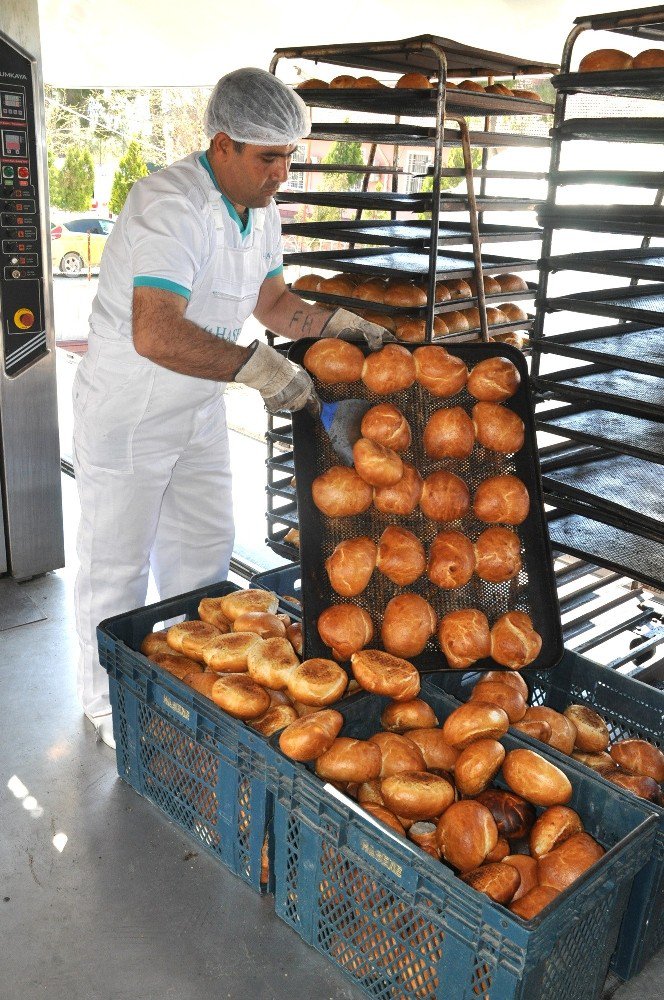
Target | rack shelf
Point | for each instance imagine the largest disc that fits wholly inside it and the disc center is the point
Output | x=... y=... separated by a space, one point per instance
x=628 y=220
x=409 y=233
x=636 y=436
x=647 y=263
x=643 y=303
x=419 y=135
x=408 y=263
x=647 y=84
x=614 y=389
x=630 y=345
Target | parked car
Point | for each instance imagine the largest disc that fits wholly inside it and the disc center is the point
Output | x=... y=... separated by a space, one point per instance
x=78 y=244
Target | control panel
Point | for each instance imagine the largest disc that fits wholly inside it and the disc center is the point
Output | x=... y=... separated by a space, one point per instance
x=21 y=264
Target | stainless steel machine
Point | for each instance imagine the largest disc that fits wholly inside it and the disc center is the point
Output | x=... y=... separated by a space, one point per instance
x=31 y=541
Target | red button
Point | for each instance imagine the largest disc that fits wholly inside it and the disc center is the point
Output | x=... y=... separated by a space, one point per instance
x=23 y=172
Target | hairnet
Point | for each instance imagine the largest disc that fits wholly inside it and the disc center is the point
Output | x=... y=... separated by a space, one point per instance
x=251 y=105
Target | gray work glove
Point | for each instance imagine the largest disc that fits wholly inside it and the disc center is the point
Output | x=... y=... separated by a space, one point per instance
x=282 y=384
x=347 y=326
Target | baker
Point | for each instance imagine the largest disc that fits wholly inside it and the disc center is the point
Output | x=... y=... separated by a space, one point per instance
x=195 y=251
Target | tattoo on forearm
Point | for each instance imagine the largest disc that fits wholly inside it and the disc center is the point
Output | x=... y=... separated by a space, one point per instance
x=302 y=320
x=295 y=318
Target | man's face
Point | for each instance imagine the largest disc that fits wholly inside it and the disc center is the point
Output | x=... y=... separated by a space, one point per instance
x=251 y=178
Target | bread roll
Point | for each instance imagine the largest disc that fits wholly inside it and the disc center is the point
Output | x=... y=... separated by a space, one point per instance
x=449 y=433
x=338 y=284
x=506 y=697
x=501 y=500
x=382 y=673
x=349 y=760
x=155 y=642
x=386 y=425
x=262 y=623
x=537 y=780
x=368 y=792
x=497 y=881
x=294 y=636
x=376 y=464
x=511 y=282
x=566 y=863
x=471 y=85
x=649 y=59
x=498 y=428
x=401 y=556
x=309 y=737
x=413 y=81
x=500 y=851
x=417 y=795
x=477 y=765
x=398 y=754
x=639 y=757
x=410 y=330
x=313 y=84
x=498 y=88
x=189 y=638
x=443 y=293
x=537 y=730
x=371 y=290
x=351 y=564
x=474 y=721
x=638 y=784
x=498 y=555
x=277 y=717
x=530 y=95
x=334 y=362
x=389 y=370
x=451 y=560
x=495 y=317
x=563 y=730
x=552 y=828
x=437 y=754
x=402 y=716
x=344 y=81
x=278 y=697
x=317 y=682
x=423 y=833
x=239 y=601
x=603 y=60
x=534 y=901
x=513 y=312
x=458 y=288
x=306 y=283
x=340 y=492
x=602 y=762
x=369 y=83
x=466 y=833
x=445 y=497
x=489 y=283
x=456 y=321
x=506 y=677
x=176 y=664
x=513 y=816
x=464 y=637
x=271 y=662
x=227 y=654
x=408 y=623
x=472 y=316
x=380 y=319
x=239 y=695
x=514 y=641
x=592 y=733
x=402 y=498
x=292 y=536
x=493 y=380
x=441 y=373
x=203 y=681
x=209 y=610
x=345 y=628
x=384 y=815
x=527 y=869
x=404 y=294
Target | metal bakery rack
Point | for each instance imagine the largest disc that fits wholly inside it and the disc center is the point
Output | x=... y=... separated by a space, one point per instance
x=600 y=382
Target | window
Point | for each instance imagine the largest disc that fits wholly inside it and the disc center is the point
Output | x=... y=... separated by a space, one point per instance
x=296 y=179
x=418 y=163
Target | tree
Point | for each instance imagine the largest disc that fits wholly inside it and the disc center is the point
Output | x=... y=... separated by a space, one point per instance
x=53 y=181
x=132 y=167
x=343 y=153
x=76 y=181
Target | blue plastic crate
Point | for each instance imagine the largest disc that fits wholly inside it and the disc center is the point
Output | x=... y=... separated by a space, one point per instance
x=631 y=710
x=204 y=769
x=402 y=925
x=285 y=581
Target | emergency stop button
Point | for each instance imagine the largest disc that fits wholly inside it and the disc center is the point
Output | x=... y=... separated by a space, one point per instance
x=24 y=319
x=23 y=172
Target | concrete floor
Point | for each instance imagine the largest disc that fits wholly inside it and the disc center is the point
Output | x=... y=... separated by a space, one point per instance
x=127 y=909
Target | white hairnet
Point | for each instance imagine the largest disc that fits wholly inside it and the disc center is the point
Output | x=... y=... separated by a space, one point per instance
x=251 y=105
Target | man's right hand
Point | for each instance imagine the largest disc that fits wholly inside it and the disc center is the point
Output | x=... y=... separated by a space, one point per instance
x=282 y=384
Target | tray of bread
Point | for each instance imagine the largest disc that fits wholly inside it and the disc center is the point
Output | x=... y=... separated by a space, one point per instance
x=433 y=545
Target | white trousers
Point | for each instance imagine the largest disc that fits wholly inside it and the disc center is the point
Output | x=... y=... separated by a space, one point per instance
x=153 y=475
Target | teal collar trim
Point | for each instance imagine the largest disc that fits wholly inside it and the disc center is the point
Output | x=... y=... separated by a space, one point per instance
x=244 y=230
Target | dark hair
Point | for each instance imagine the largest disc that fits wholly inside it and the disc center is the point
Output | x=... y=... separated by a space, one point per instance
x=238 y=146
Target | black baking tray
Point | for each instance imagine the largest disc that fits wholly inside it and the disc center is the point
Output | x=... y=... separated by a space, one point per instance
x=416 y=103
x=612 y=129
x=417 y=135
x=643 y=303
x=645 y=83
x=621 y=432
x=621 y=178
x=408 y=263
x=630 y=220
x=630 y=345
x=646 y=263
x=534 y=591
x=419 y=311
x=386 y=201
x=408 y=233
x=610 y=388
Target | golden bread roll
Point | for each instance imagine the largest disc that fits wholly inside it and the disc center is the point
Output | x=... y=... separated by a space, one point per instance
x=295 y=637
x=203 y=681
x=209 y=610
x=338 y=284
x=345 y=628
x=263 y=623
x=404 y=294
x=466 y=833
x=506 y=677
x=384 y=815
x=498 y=555
x=638 y=784
x=389 y=370
x=349 y=760
x=458 y=288
x=537 y=780
x=498 y=428
x=471 y=85
x=477 y=765
x=449 y=433
x=639 y=757
x=371 y=290
x=472 y=316
x=376 y=464
x=239 y=601
x=292 y=536
x=513 y=312
x=451 y=560
x=228 y=654
x=303 y=710
x=441 y=373
x=411 y=331
x=408 y=623
x=344 y=81
x=413 y=81
x=445 y=497
x=271 y=662
x=368 y=793
x=506 y=697
x=306 y=283
x=592 y=734
x=351 y=564
x=340 y=492
x=387 y=322
x=189 y=638
x=155 y=642
x=397 y=754
x=497 y=881
x=534 y=901
x=456 y=321
x=386 y=425
x=563 y=730
x=498 y=88
x=464 y=637
x=317 y=682
x=552 y=828
x=382 y=673
x=239 y=695
x=313 y=84
x=369 y=83
x=309 y=737
x=474 y=721
x=527 y=869
x=602 y=60
x=649 y=59
x=436 y=752
x=501 y=500
x=443 y=293
x=601 y=762
x=530 y=95
x=401 y=716
x=334 y=361
x=500 y=851
x=423 y=834
x=493 y=380
x=513 y=816
x=489 y=284
x=566 y=863
x=402 y=498
x=277 y=717
x=511 y=282
x=514 y=641
x=401 y=556
x=495 y=317
x=417 y=795
x=176 y=664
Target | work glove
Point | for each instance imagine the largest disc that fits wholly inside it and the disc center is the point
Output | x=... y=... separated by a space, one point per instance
x=347 y=326
x=282 y=384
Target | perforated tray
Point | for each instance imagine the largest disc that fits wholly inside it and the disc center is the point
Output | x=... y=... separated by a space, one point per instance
x=628 y=345
x=632 y=392
x=533 y=591
x=643 y=303
x=408 y=233
x=645 y=83
x=618 y=431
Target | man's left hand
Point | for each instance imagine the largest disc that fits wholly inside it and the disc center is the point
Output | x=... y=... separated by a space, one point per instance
x=347 y=326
